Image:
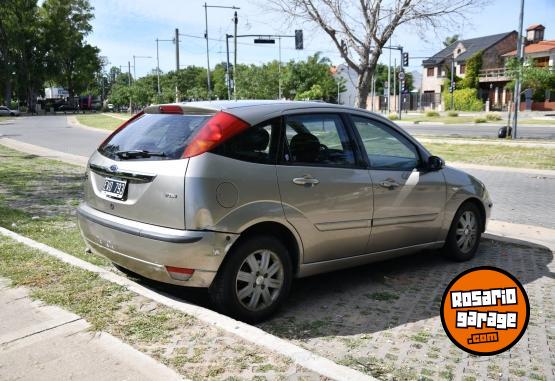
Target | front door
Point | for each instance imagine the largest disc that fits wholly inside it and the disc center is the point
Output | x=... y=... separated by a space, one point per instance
x=408 y=200
x=326 y=194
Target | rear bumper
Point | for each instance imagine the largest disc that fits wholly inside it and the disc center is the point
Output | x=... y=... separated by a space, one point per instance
x=147 y=249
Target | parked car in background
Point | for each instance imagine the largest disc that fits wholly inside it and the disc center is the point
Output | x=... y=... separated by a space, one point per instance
x=5 y=111
x=242 y=197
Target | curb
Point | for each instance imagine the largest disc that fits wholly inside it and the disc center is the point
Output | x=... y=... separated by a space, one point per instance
x=44 y=152
x=298 y=355
x=71 y=120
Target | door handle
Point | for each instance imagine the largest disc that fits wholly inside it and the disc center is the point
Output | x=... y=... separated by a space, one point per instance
x=389 y=184
x=306 y=180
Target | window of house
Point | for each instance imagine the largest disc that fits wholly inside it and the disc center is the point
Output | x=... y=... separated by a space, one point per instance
x=430 y=72
x=542 y=61
x=462 y=68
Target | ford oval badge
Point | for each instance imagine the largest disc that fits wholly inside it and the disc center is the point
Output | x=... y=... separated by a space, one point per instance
x=113 y=168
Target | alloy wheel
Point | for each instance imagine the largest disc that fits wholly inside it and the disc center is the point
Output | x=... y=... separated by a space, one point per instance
x=466 y=233
x=259 y=280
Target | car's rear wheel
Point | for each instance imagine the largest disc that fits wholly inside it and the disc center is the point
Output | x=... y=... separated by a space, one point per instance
x=465 y=232
x=254 y=280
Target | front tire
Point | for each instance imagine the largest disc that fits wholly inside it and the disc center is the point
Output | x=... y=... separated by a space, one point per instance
x=254 y=280
x=464 y=235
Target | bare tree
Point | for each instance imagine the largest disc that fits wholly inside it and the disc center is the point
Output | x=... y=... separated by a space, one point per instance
x=360 y=29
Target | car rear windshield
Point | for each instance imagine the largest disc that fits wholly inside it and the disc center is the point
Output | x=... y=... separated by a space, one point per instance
x=153 y=137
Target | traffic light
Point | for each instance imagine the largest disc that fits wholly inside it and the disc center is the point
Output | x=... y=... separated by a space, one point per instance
x=298 y=39
x=405 y=59
x=452 y=87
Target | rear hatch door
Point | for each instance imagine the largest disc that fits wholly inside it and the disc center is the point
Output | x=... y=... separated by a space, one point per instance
x=138 y=173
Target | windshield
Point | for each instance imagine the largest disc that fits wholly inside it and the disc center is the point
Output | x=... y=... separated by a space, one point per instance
x=165 y=136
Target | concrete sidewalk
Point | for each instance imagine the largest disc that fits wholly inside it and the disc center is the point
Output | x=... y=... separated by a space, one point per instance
x=41 y=342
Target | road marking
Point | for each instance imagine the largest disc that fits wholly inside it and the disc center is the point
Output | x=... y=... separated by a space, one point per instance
x=300 y=356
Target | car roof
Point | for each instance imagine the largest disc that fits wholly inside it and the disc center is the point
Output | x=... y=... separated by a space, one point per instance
x=256 y=111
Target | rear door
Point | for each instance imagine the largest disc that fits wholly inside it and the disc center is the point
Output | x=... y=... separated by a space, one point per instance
x=325 y=191
x=408 y=200
x=138 y=173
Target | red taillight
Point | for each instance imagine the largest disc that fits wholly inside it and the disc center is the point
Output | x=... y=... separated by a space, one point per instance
x=217 y=129
x=171 y=109
x=121 y=127
x=180 y=273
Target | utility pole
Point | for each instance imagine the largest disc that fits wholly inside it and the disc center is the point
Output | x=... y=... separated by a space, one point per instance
x=176 y=63
x=394 y=82
x=235 y=21
x=279 y=72
x=157 y=66
x=206 y=6
x=129 y=76
x=176 y=39
x=227 y=36
x=401 y=80
x=518 y=84
x=389 y=75
x=207 y=49
x=453 y=83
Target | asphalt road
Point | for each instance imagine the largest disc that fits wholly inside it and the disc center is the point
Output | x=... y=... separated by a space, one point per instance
x=518 y=197
x=478 y=131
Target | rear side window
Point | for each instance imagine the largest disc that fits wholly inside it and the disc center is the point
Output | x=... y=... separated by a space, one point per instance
x=257 y=144
x=165 y=136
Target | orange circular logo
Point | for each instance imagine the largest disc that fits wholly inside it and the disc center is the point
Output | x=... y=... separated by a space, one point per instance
x=485 y=310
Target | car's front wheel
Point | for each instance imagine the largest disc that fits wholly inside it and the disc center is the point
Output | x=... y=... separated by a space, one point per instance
x=254 y=280
x=465 y=232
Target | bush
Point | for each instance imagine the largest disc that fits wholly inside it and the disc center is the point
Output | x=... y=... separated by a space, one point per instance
x=432 y=114
x=452 y=114
x=493 y=116
x=464 y=99
x=480 y=120
x=393 y=116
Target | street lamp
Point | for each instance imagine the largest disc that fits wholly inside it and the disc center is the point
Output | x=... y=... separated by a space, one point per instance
x=135 y=65
x=158 y=61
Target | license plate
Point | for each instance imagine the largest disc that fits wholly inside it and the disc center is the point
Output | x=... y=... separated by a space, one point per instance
x=114 y=188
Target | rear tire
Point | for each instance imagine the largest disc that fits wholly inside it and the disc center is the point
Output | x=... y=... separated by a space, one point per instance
x=254 y=280
x=464 y=235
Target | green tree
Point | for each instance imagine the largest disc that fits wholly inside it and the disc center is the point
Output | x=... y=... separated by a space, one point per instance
x=539 y=79
x=449 y=40
x=472 y=71
x=71 y=61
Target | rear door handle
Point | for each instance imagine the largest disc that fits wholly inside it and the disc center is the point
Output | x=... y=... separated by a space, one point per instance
x=306 y=180
x=390 y=184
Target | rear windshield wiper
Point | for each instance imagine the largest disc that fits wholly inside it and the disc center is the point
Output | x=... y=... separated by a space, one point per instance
x=132 y=154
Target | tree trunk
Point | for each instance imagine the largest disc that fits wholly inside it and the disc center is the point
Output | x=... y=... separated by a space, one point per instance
x=363 y=88
x=8 y=93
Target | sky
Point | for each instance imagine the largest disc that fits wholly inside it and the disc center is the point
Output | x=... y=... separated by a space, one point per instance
x=126 y=28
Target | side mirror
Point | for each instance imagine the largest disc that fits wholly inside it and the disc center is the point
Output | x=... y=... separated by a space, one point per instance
x=435 y=163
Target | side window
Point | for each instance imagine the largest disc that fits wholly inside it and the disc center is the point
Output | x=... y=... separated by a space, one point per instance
x=317 y=139
x=385 y=147
x=256 y=144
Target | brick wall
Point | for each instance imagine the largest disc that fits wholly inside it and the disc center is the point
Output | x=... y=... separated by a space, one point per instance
x=492 y=57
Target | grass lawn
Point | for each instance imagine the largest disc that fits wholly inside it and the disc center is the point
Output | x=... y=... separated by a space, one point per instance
x=497 y=155
x=540 y=122
x=103 y=122
x=37 y=199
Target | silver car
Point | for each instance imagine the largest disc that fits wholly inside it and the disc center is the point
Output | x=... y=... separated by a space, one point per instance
x=242 y=197
x=5 y=111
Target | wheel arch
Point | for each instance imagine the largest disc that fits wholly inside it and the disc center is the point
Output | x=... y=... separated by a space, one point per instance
x=278 y=230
